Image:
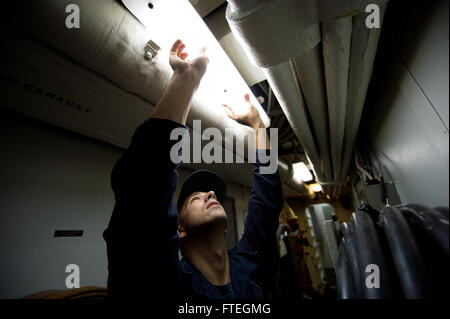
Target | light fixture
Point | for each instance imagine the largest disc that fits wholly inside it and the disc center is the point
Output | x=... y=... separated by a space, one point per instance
x=177 y=19
x=316 y=187
x=301 y=172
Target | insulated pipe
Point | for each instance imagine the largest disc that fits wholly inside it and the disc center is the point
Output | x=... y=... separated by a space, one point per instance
x=337 y=35
x=111 y=43
x=310 y=72
x=288 y=92
x=291 y=30
x=270 y=46
x=363 y=50
x=272 y=32
x=247 y=5
x=290 y=35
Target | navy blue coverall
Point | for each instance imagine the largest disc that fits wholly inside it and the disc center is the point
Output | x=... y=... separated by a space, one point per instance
x=142 y=240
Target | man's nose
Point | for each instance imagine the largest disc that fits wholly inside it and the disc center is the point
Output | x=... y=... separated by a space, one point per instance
x=210 y=195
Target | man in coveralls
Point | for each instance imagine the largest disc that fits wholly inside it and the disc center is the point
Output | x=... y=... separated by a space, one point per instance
x=147 y=229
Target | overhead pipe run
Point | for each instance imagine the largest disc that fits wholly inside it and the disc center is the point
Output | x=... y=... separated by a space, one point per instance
x=288 y=92
x=310 y=72
x=336 y=55
x=325 y=99
x=286 y=36
x=363 y=50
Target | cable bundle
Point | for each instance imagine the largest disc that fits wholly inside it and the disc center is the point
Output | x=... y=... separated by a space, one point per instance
x=399 y=252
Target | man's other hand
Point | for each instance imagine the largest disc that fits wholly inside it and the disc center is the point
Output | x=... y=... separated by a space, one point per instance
x=180 y=64
x=248 y=115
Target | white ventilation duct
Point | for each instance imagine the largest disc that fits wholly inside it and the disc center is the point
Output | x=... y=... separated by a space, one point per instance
x=101 y=66
x=336 y=55
x=321 y=86
x=309 y=69
x=363 y=50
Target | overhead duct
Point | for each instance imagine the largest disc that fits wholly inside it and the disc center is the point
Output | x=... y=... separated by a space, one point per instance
x=363 y=50
x=95 y=80
x=336 y=55
x=310 y=72
x=285 y=87
x=318 y=58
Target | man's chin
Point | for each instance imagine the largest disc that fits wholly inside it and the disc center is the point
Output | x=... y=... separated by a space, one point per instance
x=214 y=223
x=218 y=216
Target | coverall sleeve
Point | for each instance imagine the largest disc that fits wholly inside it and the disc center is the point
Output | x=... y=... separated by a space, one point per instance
x=141 y=238
x=264 y=207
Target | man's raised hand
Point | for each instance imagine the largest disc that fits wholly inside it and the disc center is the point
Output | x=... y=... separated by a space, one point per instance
x=248 y=115
x=179 y=62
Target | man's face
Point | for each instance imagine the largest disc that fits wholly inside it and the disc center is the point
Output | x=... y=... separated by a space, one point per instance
x=201 y=211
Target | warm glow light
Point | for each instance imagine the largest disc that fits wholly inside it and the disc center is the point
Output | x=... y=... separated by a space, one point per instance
x=315 y=187
x=301 y=172
x=222 y=83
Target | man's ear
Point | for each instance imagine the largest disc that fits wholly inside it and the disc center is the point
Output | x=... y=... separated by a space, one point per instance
x=181 y=231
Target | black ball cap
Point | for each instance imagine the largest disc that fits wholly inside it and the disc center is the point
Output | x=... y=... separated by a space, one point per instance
x=203 y=181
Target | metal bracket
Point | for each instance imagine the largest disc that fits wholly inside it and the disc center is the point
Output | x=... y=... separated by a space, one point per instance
x=151 y=50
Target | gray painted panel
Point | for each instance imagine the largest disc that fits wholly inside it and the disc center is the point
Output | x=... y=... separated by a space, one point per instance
x=408 y=129
x=425 y=53
x=412 y=142
x=49 y=180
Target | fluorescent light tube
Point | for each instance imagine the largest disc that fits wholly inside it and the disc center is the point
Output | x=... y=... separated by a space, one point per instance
x=315 y=187
x=301 y=172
